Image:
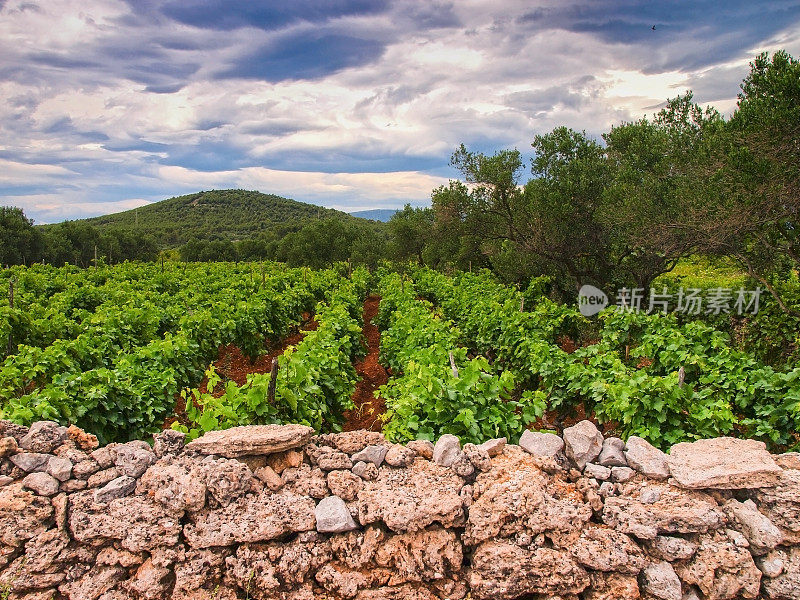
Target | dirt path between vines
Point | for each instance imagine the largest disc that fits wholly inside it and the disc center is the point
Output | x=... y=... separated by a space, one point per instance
x=366 y=414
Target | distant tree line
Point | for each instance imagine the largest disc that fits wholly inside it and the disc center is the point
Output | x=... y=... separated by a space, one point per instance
x=73 y=242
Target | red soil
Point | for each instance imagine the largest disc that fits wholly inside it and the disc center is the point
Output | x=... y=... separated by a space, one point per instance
x=366 y=414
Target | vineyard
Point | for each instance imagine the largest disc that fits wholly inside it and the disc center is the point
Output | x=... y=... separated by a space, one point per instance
x=124 y=351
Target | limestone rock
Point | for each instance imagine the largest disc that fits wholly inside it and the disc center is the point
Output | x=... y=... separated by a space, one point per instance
x=622 y=474
x=227 y=480
x=599 y=472
x=613 y=453
x=116 y=488
x=41 y=483
x=104 y=456
x=493 y=447
x=336 y=460
x=43 y=436
x=723 y=463
x=345 y=484
x=423 y=448
x=269 y=477
x=582 y=443
x=365 y=470
x=602 y=549
x=446 y=450
x=670 y=548
x=252 y=439
x=612 y=586
x=761 y=534
x=264 y=518
x=541 y=444
x=721 y=568
x=781 y=504
x=280 y=461
x=102 y=477
x=8 y=446
x=661 y=581
x=413 y=498
x=333 y=517
x=132 y=460
x=645 y=458
x=478 y=457
x=351 y=442
x=784 y=585
x=23 y=515
x=81 y=439
x=674 y=511
x=174 y=487
x=502 y=571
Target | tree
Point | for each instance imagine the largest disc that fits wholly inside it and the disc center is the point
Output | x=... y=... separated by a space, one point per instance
x=20 y=242
x=410 y=232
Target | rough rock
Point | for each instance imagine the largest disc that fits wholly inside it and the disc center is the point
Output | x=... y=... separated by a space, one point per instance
x=723 y=463
x=413 y=498
x=374 y=454
x=102 y=477
x=613 y=453
x=446 y=450
x=333 y=517
x=227 y=480
x=772 y=564
x=116 y=488
x=541 y=444
x=582 y=443
x=335 y=460
x=612 y=586
x=345 y=484
x=462 y=466
x=306 y=481
x=351 y=442
x=645 y=458
x=8 y=446
x=10 y=429
x=761 y=534
x=670 y=548
x=478 y=457
x=31 y=462
x=174 y=487
x=781 y=504
x=41 y=483
x=43 y=436
x=132 y=460
x=269 y=477
x=167 y=442
x=400 y=456
x=722 y=568
x=675 y=511
x=785 y=584
x=494 y=446
x=60 y=468
x=280 y=461
x=252 y=439
x=599 y=472
x=622 y=474
x=104 y=456
x=660 y=580
x=81 y=439
x=501 y=570
x=267 y=517
x=423 y=448
x=365 y=470
x=603 y=549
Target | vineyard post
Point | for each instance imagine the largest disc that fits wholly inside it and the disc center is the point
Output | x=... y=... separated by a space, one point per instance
x=453 y=365
x=273 y=379
x=681 y=376
x=522 y=304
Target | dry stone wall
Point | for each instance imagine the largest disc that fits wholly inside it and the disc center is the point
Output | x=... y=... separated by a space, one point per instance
x=274 y=512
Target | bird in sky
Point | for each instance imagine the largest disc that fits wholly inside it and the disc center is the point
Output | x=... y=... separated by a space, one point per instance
x=653 y=28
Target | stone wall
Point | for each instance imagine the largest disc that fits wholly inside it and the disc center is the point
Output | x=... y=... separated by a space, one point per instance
x=272 y=512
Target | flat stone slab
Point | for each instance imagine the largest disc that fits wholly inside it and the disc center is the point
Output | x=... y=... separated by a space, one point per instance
x=723 y=463
x=252 y=440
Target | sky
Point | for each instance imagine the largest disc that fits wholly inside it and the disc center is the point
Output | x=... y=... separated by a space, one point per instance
x=352 y=104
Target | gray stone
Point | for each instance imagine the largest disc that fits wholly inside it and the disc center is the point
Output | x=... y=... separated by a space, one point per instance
x=772 y=564
x=133 y=460
x=446 y=450
x=333 y=516
x=101 y=478
x=85 y=469
x=541 y=444
x=252 y=439
x=104 y=457
x=661 y=581
x=761 y=533
x=649 y=495
x=41 y=483
x=582 y=443
x=494 y=447
x=373 y=454
x=646 y=458
x=31 y=462
x=599 y=472
x=613 y=453
x=366 y=470
x=60 y=468
x=5 y=480
x=44 y=436
x=462 y=466
x=117 y=488
x=622 y=474
x=723 y=463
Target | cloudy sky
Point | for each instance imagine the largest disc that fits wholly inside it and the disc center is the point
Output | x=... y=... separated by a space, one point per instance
x=107 y=105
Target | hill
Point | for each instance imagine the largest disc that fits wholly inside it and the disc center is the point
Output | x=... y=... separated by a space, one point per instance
x=217 y=214
x=377 y=214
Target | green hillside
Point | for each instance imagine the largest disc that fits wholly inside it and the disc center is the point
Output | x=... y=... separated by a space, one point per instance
x=217 y=214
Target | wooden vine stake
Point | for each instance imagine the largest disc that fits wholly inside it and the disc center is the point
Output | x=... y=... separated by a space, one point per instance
x=273 y=380
x=681 y=376
x=453 y=365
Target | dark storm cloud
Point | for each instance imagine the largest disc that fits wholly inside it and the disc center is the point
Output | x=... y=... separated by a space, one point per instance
x=306 y=55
